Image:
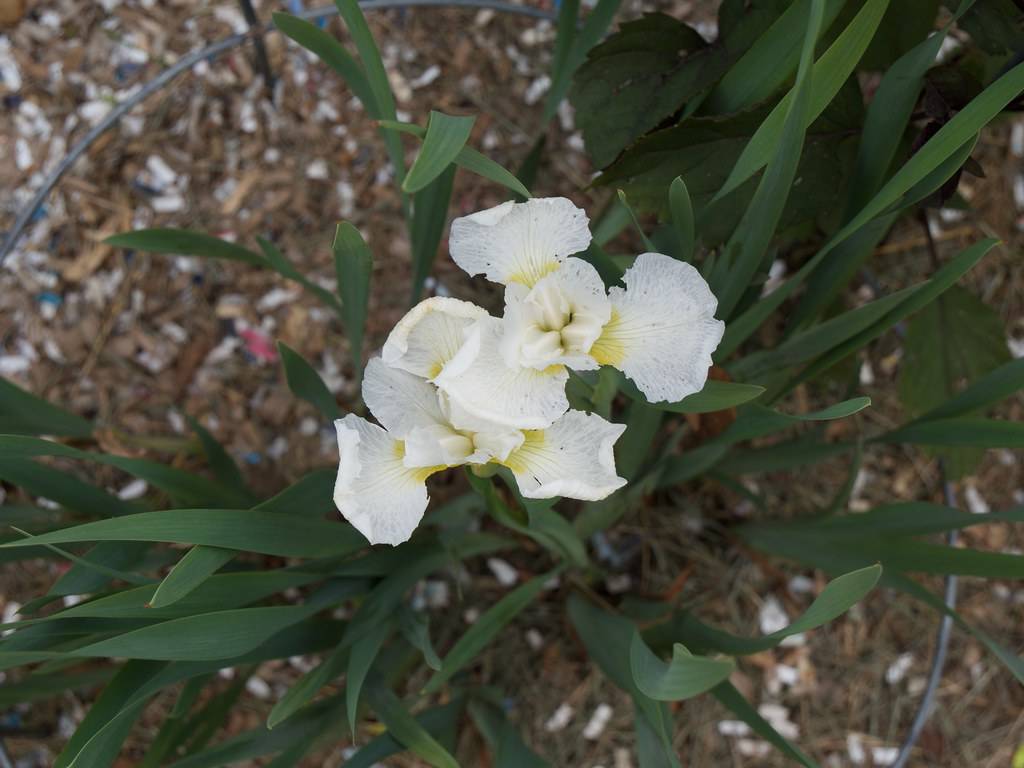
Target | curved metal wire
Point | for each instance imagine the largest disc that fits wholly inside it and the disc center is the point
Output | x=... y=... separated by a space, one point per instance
x=211 y=52
x=218 y=48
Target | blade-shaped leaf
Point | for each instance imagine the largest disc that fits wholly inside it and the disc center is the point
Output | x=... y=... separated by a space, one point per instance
x=353 y=264
x=733 y=700
x=429 y=212
x=445 y=137
x=684 y=677
x=361 y=657
x=680 y=210
x=186 y=243
x=486 y=628
x=194 y=568
x=23 y=413
x=405 y=729
x=305 y=382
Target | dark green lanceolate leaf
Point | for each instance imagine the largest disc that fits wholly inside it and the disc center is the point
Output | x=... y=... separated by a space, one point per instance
x=63 y=488
x=913 y=518
x=308 y=686
x=837 y=598
x=278 y=262
x=733 y=700
x=220 y=463
x=415 y=628
x=468 y=158
x=186 y=243
x=608 y=639
x=745 y=250
x=243 y=530
x=434 y=721
x=1002 y=382
x=768 y=63
x=624 y=202
x=194 y=568
x=306 y=384
x=953 y=341
x=330 y=52
x=36 y=687
x=716 y=396
x=405 y=728
x=360 y=658
x=22 y=413
x=947 y=142
x=353 y=265
x=445 y=137
x=829 y=74
x=429 y=212
x=571 y=48
x=684 y=677
x=680 y=209
x=890 y=110
x=979 y=434
x=182 y=486
x=486 y=628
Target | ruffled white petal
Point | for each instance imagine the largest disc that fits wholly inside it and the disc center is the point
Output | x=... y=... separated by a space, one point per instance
x=558 y=320
x=663 y=328
x=484 y=387
x=399 y=400
x=519 y=242
x=382 y=498
x=571 y=458
x=430 y=334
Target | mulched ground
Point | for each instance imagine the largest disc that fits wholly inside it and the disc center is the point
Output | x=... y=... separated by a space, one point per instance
x=138 y=342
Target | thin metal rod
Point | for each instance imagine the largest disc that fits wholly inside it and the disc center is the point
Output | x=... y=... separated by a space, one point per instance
x=211 y=52
x=924 y=709
x=259 y=48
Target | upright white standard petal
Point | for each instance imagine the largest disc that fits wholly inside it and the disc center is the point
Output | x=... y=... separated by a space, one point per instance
x=519 y=242
x=400 y=401
x=483 y=386
x=572 y=458
x=382 y=498
x=558 y=320
x=662 y=329
x=430 y=335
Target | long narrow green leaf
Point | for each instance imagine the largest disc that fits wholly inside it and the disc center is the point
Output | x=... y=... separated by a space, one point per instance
x=486 y=628
x=23 y=413
x=889 y=113
x=973 y=432
x=684 y=677
x=308 y=686
x=434 y=721
x=746 y=248
x=429 y=212
x=946 y=142
x=330 y=52
x=353 y=264
x=506 y=744
x=305 y=382
x=716 y=396
x=768 y=63
x=194 y=568
x=405 y=729
x=469 y=159
x=221 y=464
x=827 y=77
x=1001 y=383
x=186 y=243
x=733 y=700
x=680 y=210
x=179 y=484
x=245 y=530
x=912 y=518
x=445 y=137
x=361 y=657
x=278 y=262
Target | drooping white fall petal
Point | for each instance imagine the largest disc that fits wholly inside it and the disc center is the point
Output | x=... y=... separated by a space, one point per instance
x=485 y=387
x=662 y=329
x=374 y=490
x=430 y=335
x=573 y=458
x=519 y=242
x=557 y=321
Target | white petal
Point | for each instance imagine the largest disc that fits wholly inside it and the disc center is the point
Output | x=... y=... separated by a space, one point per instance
x=519 y=242
x=572 y=458
x=399 y=400
x=437 y=445
x=376 y=493
x=663 y=328
x=485 y=387
x=558 y=320
x=430 y=335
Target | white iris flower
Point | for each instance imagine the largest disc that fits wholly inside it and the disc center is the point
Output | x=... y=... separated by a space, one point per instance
x=456 y=386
